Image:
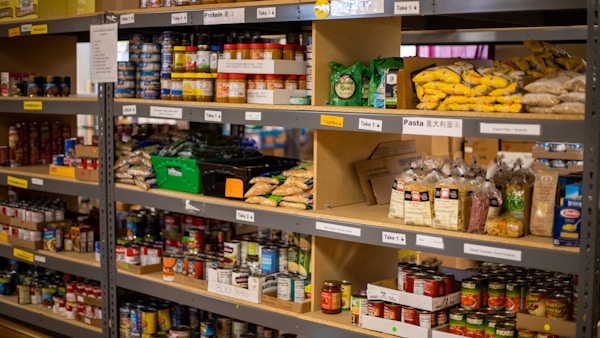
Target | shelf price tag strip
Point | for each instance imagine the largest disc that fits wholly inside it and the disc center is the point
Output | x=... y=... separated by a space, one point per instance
x=430 y=241
x=26 y=28
x=224 y=16
x=129 y=109
x=370 y=124
x=15 y=31
x=179 y=18
x=166 y=112
x=332 y=121
x=266 y=12
x=432 y=126
x=406 y=7
x=393 y=238
x=488 y=251
x=355 y=8
x=127 y=19
x=37 y=181
x=39 y=29
x=17 y=182
x=24 y=255
x=253 y=116
x=510 y=129
x=213 y=115
x=33 y=105
x=244 y=216
x=340 y=229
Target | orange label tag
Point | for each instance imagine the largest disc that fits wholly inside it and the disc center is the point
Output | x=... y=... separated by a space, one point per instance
x=15 y=31
x=234 y=187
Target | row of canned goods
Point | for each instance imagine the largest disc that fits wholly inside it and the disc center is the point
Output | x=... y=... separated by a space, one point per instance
x=157 y=318
x=36 y=211
x=139 y=252
x=551 y=298
x=424 y=280
x=484 y=322
x=406 y=314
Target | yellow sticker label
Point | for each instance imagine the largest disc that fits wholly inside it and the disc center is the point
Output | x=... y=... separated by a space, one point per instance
x=39 y=29
x=234 y=187
x=22 y=254
x=32 y=105
x=15 y=31
x=322 y=9
x=547 y=327
x=17 y=182
x=332 y=121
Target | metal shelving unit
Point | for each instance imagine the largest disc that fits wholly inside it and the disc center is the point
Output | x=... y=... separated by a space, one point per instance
x=37 y=178
x=585 y=263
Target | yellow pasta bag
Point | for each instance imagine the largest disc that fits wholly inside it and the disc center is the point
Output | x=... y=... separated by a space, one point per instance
x=572 y=63
x=430 y=98
x=427 y=75
x=483 y=107
x=508 y=90
x=457 y=99
x=471 y=77
x=521 y=63
x=443 y=106
x=437 y=85
x=435 y=92
x=427 y=105
x=481 y=90
x=508 y=108
x=482 y=99
x=507 y=99
x=420 y=91
x=449 y=74
x=496 y=80
x=456 y=89
x=460 y=106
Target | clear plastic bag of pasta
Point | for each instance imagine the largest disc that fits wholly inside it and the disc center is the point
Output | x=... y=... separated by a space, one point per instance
x=486 y=202
x=419 y=196
x=398 y=188
x=449 y=196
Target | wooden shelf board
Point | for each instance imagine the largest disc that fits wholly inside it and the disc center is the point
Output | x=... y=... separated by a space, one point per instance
x=341 y=320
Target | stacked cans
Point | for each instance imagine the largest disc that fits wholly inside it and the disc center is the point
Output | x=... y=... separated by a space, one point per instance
x=168 y=40
x=149 y=71
x=125 y=86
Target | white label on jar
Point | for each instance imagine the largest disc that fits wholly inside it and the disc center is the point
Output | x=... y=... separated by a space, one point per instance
x=212 y=115
x=237 y=89
x=127 y=19
x=267 y=55
x=204 y=88
x=266 y=12
x=179 y=18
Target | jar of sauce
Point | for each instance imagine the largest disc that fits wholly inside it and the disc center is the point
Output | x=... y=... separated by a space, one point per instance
x=331 y=297
x=191 y=58
x=290 y=82
x=188 y=86
x=222 y=88
x=178 y=58
x=299 y=52
x=272 y=51
x=205 y=87
x=242 y=51
x=257 y=51
x=288 y=52
x=229 y=51
x=301 y=81
x=177 y=86
x=274 y=81
x=237 y=88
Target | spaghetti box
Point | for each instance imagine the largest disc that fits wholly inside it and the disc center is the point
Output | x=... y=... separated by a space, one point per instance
x=567 y=223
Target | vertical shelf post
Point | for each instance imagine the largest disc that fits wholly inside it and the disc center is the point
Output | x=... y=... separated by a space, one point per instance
x=588 y=289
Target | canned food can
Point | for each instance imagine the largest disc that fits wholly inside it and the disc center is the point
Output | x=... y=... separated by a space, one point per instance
x=298 y=286
x=375 y=308
x=163 y=318
x=239 y=277
x=505 y=330
x=490 y=323
x=496 y=294
x=292 y=259
x=458 y=321
x=427 y=319
x=525 y=333
x=475 y=325
x=535 y=302
x=284 y=287
x=180 y=331
x=514 y=297
x=238 y=328
x=135 y=315
x=347 y=294
x=24 y=294
x=470 y=297
x=231 y=252
x=207 y=328
x=149 y=320
x=194 y=318
x=392 y=311
x=224 y=274
x=169 y=262
x=223 y=327
x=359 y=306
x=179 y=315
x=433 y=286
x=441 y=317
x=557 y=306
x=282 y=257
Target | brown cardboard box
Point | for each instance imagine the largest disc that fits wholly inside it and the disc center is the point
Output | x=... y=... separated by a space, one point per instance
x=542 y=324
x=448 y=261
x=110 y=5
x=86 y=151
x=517 y=146
x=485 y=148
x=87 y=175
x=387 y=166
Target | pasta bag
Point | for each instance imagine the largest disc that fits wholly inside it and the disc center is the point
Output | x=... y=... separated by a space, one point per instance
x=486 y=202
x=419 y=196
x=397 y=197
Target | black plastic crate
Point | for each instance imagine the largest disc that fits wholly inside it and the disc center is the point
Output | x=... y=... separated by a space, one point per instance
x=231 y=178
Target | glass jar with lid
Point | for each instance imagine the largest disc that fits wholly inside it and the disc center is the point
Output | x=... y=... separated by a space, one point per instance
x=302 y=81
x=237 y=88
x=257 y=51
x=229 y=51
x=178 y=59
x=272 y=51
x=191 y=58
x=331 y=297
x=177 y=86
x=288 y=52
x=290 y=82
x=205 y=83
x=243 y=51
x=188 y=86
x=274 y=81
x=299 y=52
x=222 y=88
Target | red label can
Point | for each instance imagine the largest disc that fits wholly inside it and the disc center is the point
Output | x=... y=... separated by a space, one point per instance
x=433 y=286
x=427 y=319
x=410 y=315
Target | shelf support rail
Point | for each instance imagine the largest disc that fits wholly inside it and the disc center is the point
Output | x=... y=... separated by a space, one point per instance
x=588 y=288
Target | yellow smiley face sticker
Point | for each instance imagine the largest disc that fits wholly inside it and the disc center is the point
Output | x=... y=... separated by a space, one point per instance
x=322 y=9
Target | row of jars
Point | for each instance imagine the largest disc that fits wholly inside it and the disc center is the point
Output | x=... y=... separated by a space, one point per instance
x=223 y=87
x=198 y=58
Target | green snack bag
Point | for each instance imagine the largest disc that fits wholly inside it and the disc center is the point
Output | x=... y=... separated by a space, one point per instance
x=377 y=83
x=346 y=84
